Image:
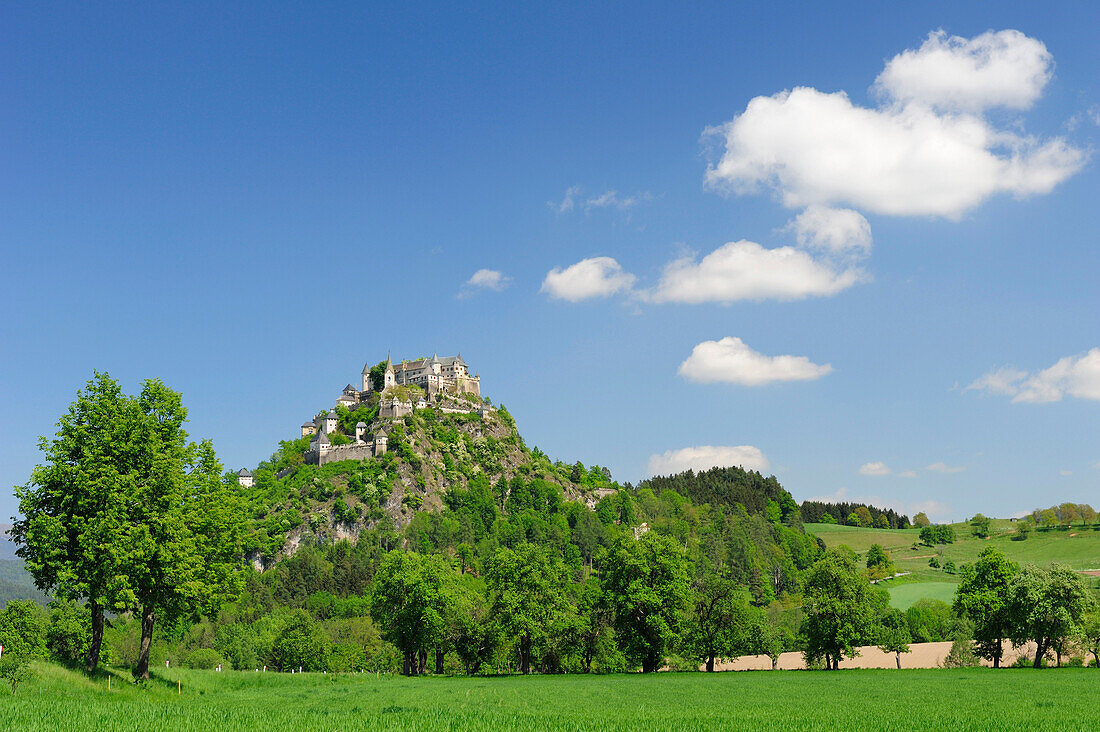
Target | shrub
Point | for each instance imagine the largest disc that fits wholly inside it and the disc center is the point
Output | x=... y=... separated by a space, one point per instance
x=961 y=655
x=203 y=658
x=933 y=562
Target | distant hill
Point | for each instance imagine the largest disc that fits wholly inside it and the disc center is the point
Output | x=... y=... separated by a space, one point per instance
x=17 y=584
x=729 y=487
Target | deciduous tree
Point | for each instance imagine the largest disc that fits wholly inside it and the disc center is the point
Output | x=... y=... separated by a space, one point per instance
x=1047 y=606
x=840 y=609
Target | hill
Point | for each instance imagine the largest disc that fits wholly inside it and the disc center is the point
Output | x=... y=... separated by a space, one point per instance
x=1077 y=547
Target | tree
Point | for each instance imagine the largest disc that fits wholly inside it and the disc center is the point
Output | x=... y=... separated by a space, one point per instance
x=1047 y=606
x=1023 y=530
x=646 y=584
x=864 y=516
x=894 y=634
x=827 y=518
x=921 y=520
x=717 y=627
x=407 y=603
x=72 y=513
x=23 y=635
x=980 y=526
x=1090 y=634
x=526 y=591
x=853 y=519
x=839 y=607
x=877 y=558
x=983 y=596
x=881 y=522
x=69 y=632
x=183 y=535
x=301 y=643
x=378 y=376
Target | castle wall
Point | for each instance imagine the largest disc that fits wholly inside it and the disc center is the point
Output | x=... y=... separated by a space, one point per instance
x=345 y=452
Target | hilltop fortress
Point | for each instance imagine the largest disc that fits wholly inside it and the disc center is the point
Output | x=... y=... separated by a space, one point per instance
x=442 y=383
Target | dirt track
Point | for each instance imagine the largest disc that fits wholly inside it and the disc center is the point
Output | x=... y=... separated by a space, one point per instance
x=921 y=655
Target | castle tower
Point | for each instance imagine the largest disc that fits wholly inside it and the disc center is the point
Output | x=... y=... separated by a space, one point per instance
x=380 y=441
x=330 y=422
x=309 y=428
x=244 y=478
x=360 y=428
x=366 y=377
x=390 y=379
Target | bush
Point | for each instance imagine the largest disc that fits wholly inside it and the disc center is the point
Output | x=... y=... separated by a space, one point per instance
x=933 y=562
x=69 y=633
x=203 y=658
x=961 y=655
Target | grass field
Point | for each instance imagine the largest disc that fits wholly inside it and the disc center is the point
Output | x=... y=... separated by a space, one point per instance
x=904 y=595
x=849 y=700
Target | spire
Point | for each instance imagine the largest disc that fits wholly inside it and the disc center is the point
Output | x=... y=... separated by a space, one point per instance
x=389 y=362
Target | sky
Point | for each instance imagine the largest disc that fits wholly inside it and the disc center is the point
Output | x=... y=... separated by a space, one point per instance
x=851 y=245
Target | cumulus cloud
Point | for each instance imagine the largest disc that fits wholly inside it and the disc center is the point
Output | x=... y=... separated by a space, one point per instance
x=485 y=279
x=744 y=270
x=926 y=151
x=945 y=468
x=1076 y=376
x=731 y=361
x=875 y=468
x=708 y=456
x=836 y=230
x=594 y=277
x=996 y=69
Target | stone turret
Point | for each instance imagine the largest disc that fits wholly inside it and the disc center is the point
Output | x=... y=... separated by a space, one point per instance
x=360 y=428
x=380 y=443
x=330 y=423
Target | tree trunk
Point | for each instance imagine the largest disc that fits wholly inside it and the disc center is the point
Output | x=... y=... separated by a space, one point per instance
x=141 y=671
x=836 y=662
x=92 y=658
x=710 y=664
x=897 y=655
x=525 y=654
x=775 y=663
x=1040 y=651
x=439 y=661
x=422 y=664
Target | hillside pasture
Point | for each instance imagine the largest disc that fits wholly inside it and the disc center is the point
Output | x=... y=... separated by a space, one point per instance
x=959 y=699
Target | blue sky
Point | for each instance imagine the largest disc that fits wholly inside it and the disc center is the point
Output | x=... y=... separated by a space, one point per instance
x=249 y=201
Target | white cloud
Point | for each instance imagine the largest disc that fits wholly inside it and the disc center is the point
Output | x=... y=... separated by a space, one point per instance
x=612 y=199
x=568 y=202
x=1094 y=113
x=908 y=157
x=1075 y=376
x=907 y=474
x=744 y=270
x=595 y=277
x=708 y=456
x=875 y=468
x=485 y=279
x=1065 y=473
x=1004 y=380
x=996 y=69
x=731 y=361
x=836 y=230
x=945 y=468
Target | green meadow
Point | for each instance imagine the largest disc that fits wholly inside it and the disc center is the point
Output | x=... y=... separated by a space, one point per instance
x=1076 y=547
x=966 y=699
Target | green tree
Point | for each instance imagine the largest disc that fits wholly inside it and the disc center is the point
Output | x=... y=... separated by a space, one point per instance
x=1047 y=606
x=72 y=512
x=1023 y=530
x=301 y=643
x=526 y=590
x=864 y=516
x=180 y=547
x=1090 y=634
x=378 y=376
x=983 y=596
x=980 y=526
x=877 y=558
x=717 y=626
x=407 y=603
x=893 y=634
x=646 y=584
x=827 y=518
x=69 y=631
x=839 y=607
x=921 y=520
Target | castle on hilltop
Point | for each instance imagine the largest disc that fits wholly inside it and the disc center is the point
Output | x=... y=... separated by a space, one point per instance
x=443 y=383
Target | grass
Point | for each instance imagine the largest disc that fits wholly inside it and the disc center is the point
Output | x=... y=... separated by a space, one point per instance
x=1078 y=548
x=904 y=595
x=851 y=700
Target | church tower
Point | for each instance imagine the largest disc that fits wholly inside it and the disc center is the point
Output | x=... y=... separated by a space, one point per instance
x=390 y=379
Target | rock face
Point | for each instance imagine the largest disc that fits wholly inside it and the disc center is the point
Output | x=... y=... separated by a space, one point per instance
x=429 y=452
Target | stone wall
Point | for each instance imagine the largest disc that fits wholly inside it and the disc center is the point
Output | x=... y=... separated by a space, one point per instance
x=347 y=452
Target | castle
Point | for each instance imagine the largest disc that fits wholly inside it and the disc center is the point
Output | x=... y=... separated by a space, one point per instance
x=439 y=382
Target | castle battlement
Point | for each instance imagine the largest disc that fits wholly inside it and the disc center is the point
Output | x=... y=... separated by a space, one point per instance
x=439 y=382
